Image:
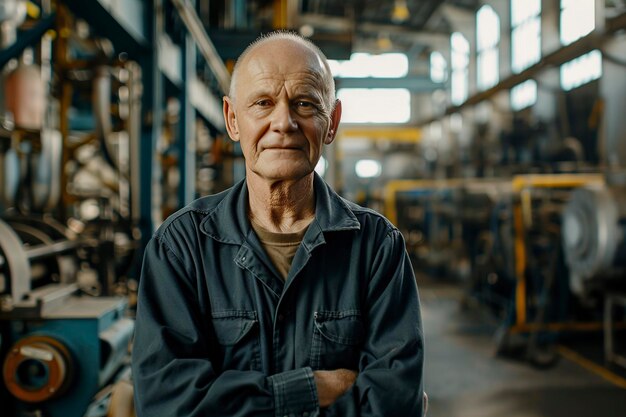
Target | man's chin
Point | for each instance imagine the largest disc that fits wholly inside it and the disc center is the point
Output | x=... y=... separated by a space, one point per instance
x=290 y=174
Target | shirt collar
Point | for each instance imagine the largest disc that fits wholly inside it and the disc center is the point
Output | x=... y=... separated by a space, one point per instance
x=228 y=221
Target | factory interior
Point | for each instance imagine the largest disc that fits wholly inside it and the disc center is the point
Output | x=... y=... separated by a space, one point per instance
x=491 y=133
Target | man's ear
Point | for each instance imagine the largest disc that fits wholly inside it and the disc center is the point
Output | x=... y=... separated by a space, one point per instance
x=230 y=119
x=335 y=117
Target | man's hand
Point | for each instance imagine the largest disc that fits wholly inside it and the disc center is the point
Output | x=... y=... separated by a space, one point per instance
x=332 y=384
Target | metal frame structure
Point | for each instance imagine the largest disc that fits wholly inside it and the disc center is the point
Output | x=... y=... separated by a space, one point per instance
x=142 y=38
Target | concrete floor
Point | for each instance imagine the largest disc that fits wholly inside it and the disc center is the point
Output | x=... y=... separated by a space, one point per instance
x=463 y=378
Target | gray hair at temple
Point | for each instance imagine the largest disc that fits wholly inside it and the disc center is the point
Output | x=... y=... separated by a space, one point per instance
x=328 y=80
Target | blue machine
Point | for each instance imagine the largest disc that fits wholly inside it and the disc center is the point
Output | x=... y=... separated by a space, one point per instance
x=63 y=349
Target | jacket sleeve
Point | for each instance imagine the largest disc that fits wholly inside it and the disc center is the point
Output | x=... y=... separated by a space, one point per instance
x=389 y=382
x=172 y=372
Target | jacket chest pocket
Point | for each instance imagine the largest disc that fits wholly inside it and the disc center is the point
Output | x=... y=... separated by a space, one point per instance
x=237 y=333
x=337 y=339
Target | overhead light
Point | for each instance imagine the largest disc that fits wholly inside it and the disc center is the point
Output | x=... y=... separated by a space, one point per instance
x=400 y=12
x=368 y=168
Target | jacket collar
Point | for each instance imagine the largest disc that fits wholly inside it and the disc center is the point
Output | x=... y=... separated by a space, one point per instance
x=228 y=221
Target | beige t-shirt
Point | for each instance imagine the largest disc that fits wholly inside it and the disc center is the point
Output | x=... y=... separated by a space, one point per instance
x=280 y=247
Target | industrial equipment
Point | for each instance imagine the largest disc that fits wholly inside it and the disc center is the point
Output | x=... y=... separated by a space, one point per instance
x=502 y=239
x=431 y=219
x=594 y=242
x=594 y=235
x=444 y=221
x=69 y=208
x=59 y=347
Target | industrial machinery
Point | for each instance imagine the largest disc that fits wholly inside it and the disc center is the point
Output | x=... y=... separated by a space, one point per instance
x=69 y=137
x=541 y=303
x=539 y=252
x=444 y=221
x=594 y=242
x=110 y=120
x=59 y=346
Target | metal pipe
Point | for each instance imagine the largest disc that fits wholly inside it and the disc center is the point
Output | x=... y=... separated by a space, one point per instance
x=3 y=173
x=11 y=250
x=194 y=25
x=135 y=87
x=42 y=251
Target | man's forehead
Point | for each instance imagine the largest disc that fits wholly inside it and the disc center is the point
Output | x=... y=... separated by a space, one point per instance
x=284 y=55
x=300 y=83
x=270 y=71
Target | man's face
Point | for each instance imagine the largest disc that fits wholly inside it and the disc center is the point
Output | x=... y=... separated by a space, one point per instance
x=278 y=111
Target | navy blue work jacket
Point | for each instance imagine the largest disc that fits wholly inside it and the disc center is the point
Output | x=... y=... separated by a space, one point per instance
x=220 y=333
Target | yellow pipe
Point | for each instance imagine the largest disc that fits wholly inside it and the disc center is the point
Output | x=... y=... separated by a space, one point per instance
x=520 y=264
x=555 y=180
x=281 y=15
x=408 y=135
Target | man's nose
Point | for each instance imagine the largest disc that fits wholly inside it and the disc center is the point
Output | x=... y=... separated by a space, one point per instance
x=283 y=118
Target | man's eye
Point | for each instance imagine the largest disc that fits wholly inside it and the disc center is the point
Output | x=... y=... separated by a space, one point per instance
x=305 y=105
x=263 y=103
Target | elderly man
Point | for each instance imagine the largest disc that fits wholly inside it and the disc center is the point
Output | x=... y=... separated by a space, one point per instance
x=277 y=297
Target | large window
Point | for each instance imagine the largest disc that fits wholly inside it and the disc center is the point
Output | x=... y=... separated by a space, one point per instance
x=375 y=105
x=487 y=40
x=578 y=20
x=524 y=95
x=525 y=48
x=360 y=65
x=460 y=63
x=581 y=70
x=525 y=34
x=438 y=67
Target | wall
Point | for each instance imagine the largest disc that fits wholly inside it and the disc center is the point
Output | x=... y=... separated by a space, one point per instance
x=613 y=91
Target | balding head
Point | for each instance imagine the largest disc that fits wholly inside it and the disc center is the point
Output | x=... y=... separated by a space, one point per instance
x=275 y=39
